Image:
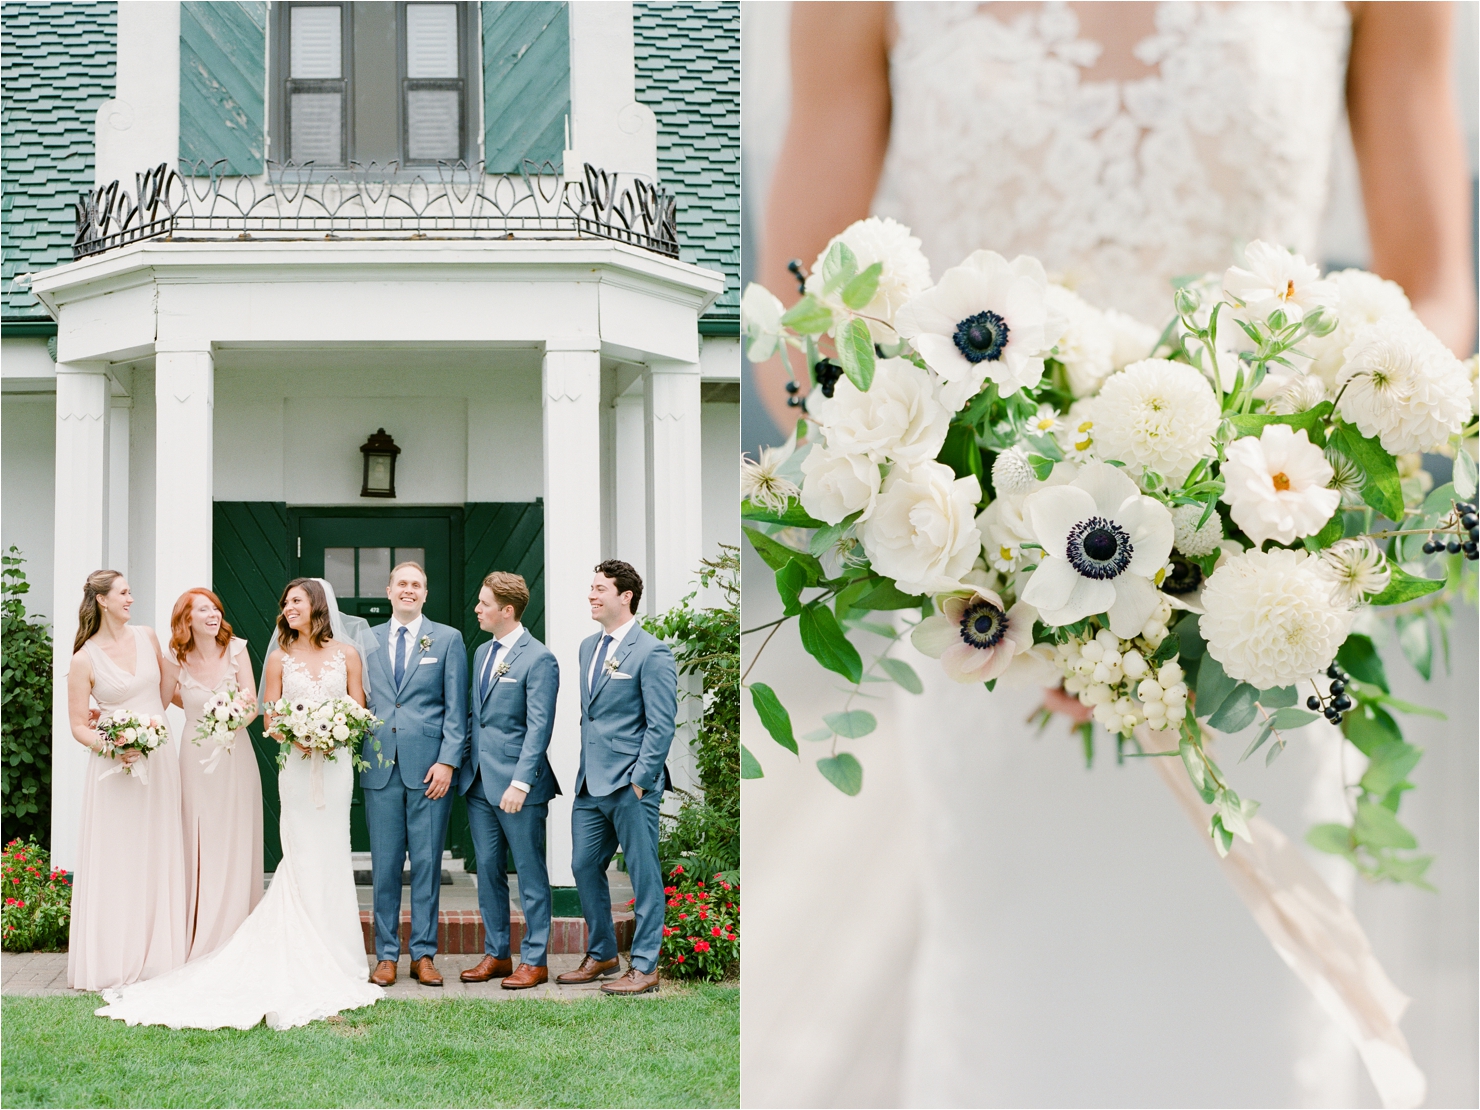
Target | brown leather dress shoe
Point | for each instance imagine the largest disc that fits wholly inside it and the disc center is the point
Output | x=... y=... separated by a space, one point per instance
x=384 y=974
x=590 y=969
x=634 y=982
x=486 y=969
x=425 y=972
x=527 y=976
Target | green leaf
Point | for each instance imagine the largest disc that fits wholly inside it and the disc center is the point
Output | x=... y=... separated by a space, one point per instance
x=1359 y=658
x=1466 y=475
x=1213 y=686
x=1335 y=839
x=1403 y=586
x=1376 y=827
x=1290 y=717
x=1263 y=735
x=1369 y=729
x=773 y=715
x=1390 y=766
x=962 y=455
x=824 y=640
x=839 y=266
x=1334 y=529
x=750 y=767
x=904 y=674
x=1383 y=490
x=795 y=516
x=844 y=772
x=817 y=734
x=1042 y=467
x=856 y=351
x=888 y=596
x=1311 y=420
x=1222 y=838
x=808 y=316
x=1188 y=751
x=852 y=724
x=1278 y=697
x=861 y=289
x=777 y=554
x=829 y=534
x=1405 y=870
x=1416 y=639
x=1408 y=707
x=1189 y=637
x=1237 y=710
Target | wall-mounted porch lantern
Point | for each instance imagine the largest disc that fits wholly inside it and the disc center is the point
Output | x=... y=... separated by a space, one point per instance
x=380 y=453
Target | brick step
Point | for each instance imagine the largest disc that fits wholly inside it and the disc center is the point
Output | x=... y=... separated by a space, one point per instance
x=461 y=932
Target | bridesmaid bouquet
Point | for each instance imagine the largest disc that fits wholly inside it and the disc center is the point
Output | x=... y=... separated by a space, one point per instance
x=125 y=730
x=323 y=727
x=1208 y=523
x=226 y=712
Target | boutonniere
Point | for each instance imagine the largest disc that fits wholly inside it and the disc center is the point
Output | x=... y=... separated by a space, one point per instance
x=610 y=667
x=425 y=644
x=501 y=668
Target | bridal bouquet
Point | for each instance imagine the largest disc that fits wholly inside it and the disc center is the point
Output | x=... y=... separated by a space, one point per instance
x=1197 y=525
x=226 y=712
x=323 y=727
x=125 y=730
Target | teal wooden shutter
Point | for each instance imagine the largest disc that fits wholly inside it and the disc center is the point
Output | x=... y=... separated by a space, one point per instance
x=504 y=536
x=249 y=568
x=526 y=83
x=223 y=83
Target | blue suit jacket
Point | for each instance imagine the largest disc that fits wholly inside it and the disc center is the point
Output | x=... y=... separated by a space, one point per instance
x=627 y=715
x=509 y=730
x=426 y=717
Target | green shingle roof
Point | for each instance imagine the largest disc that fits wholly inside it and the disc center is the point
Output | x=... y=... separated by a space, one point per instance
x=688 y=73
x=58 y=66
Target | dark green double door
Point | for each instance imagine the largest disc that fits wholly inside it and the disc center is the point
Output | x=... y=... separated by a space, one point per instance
x=354 y=551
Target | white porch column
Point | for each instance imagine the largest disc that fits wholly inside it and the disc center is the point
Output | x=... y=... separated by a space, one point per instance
x=80 y=519
x=118 y=465
x=184 y=396
x=571 y=400
x=629 y=534
x=675 y=486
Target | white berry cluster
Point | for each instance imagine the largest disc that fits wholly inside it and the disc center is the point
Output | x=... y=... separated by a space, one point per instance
x=1118 y=681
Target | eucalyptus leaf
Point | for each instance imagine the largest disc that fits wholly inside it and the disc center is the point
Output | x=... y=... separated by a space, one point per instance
x=1213 y=686
x=904 y=674
x=1263 y=735
x=1466 y=474
x=852 y=724
x=1290 y=717
x=773 y=715
x=750 y=767
x=817 y=734
x=1190 y=760
x=823 y=639
x=856 y=351
x=1415 y=637
x=1238 y=708
x=1278 y=697
x=861 y=288
x=844 y=772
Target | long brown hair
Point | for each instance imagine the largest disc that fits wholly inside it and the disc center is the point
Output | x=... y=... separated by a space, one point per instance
x=182 y=632
x=89 y=617
x=320 y=627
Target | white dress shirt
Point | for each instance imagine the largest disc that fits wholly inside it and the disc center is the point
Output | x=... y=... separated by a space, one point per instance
x=611 y=649
x=413 y=630
x=505 y=642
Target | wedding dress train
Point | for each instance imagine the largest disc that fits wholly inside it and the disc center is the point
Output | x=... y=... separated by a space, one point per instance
x=300 y=956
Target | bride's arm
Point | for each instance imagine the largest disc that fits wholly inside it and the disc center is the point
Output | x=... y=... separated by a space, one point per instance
x=1415 y=184
x=272 y=690
x=354 y=678
x=246 y=682
x=829 y=164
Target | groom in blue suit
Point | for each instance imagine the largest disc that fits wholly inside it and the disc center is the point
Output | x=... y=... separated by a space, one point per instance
x=417 y=684
x=507 y=780
x=629 y=697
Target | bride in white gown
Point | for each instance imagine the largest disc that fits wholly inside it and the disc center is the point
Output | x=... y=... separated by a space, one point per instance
x=300 y=956
x=997 y=925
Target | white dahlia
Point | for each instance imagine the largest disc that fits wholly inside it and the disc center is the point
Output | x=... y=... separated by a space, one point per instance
x=987 y=318
x=1156 y=415
x=1086 y=341
x=1269 y=618
x=906 y=271
x=838 y=485
x=1102 y=544
x=1402 y=385
x=1276 y=485
x=899 y=419
x=1361 y=299
x=1276 y=278
x=1131 y=340
x=1189 y=538
x=922 y=532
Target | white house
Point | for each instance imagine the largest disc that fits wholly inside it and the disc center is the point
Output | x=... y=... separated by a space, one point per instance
x=502 y=234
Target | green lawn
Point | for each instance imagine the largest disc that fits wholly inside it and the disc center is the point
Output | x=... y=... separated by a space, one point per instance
x=681 y=1049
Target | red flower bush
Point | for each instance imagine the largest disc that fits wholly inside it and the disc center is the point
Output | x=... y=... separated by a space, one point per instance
x=38 y=915
x=687 y=954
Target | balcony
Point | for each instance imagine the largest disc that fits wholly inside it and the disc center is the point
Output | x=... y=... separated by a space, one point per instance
x=451 y=201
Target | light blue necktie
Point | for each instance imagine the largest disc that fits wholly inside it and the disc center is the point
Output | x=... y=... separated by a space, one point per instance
x=488 y=670
x=600 y=659
x=400 y=667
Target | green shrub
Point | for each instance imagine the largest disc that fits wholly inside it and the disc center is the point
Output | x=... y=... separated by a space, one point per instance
x=37 y=913
x=25 y=720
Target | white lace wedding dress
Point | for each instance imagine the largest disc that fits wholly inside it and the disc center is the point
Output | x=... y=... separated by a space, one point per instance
x=300 y=956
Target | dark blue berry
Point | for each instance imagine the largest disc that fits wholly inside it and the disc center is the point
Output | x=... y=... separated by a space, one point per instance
x=1336 y=720
x=1313 y=703
x=1453 y=547
x=1338 y=686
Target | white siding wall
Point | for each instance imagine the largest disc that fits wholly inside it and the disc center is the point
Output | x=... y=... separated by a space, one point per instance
x=28 y=439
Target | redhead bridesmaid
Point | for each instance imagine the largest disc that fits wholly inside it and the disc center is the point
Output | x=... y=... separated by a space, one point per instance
x=128 y=899
x=221 y=801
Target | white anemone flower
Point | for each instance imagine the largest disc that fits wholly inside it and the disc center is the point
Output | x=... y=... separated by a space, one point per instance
x=1277 y=485
x=906 y=271
x=1103 y=543
x=974 y=635
x=1276 y=278
x=988 y=318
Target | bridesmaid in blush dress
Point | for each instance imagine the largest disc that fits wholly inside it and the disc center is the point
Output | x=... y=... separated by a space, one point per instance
x=128 y=900
x=221 y=801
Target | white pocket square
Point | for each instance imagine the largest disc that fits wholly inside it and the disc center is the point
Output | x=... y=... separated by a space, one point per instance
x=424 y=662
x=508 y=680
x=619 y=674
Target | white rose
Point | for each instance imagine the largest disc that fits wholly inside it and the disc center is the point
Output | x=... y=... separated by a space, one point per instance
x=838 y=485
x=922 y=532
x=760 y=320
x=898 y=420
x=1086 y=346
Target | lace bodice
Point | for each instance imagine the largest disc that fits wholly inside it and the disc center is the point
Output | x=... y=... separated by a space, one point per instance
x=299 y=682
x=1219 y=131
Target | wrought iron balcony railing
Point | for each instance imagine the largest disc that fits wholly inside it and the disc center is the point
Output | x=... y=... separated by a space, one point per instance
x=377 y=202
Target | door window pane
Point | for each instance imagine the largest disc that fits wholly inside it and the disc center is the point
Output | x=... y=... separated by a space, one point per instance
x=433 y=125
x=431 y=40
x=416 y=555
x=375 y=571
x=315 y=47
x=339 y=570
x=316 y=129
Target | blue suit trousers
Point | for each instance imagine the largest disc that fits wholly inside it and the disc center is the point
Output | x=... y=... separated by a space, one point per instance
x=399 y=816
x=496 y=833
x=598 y=826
